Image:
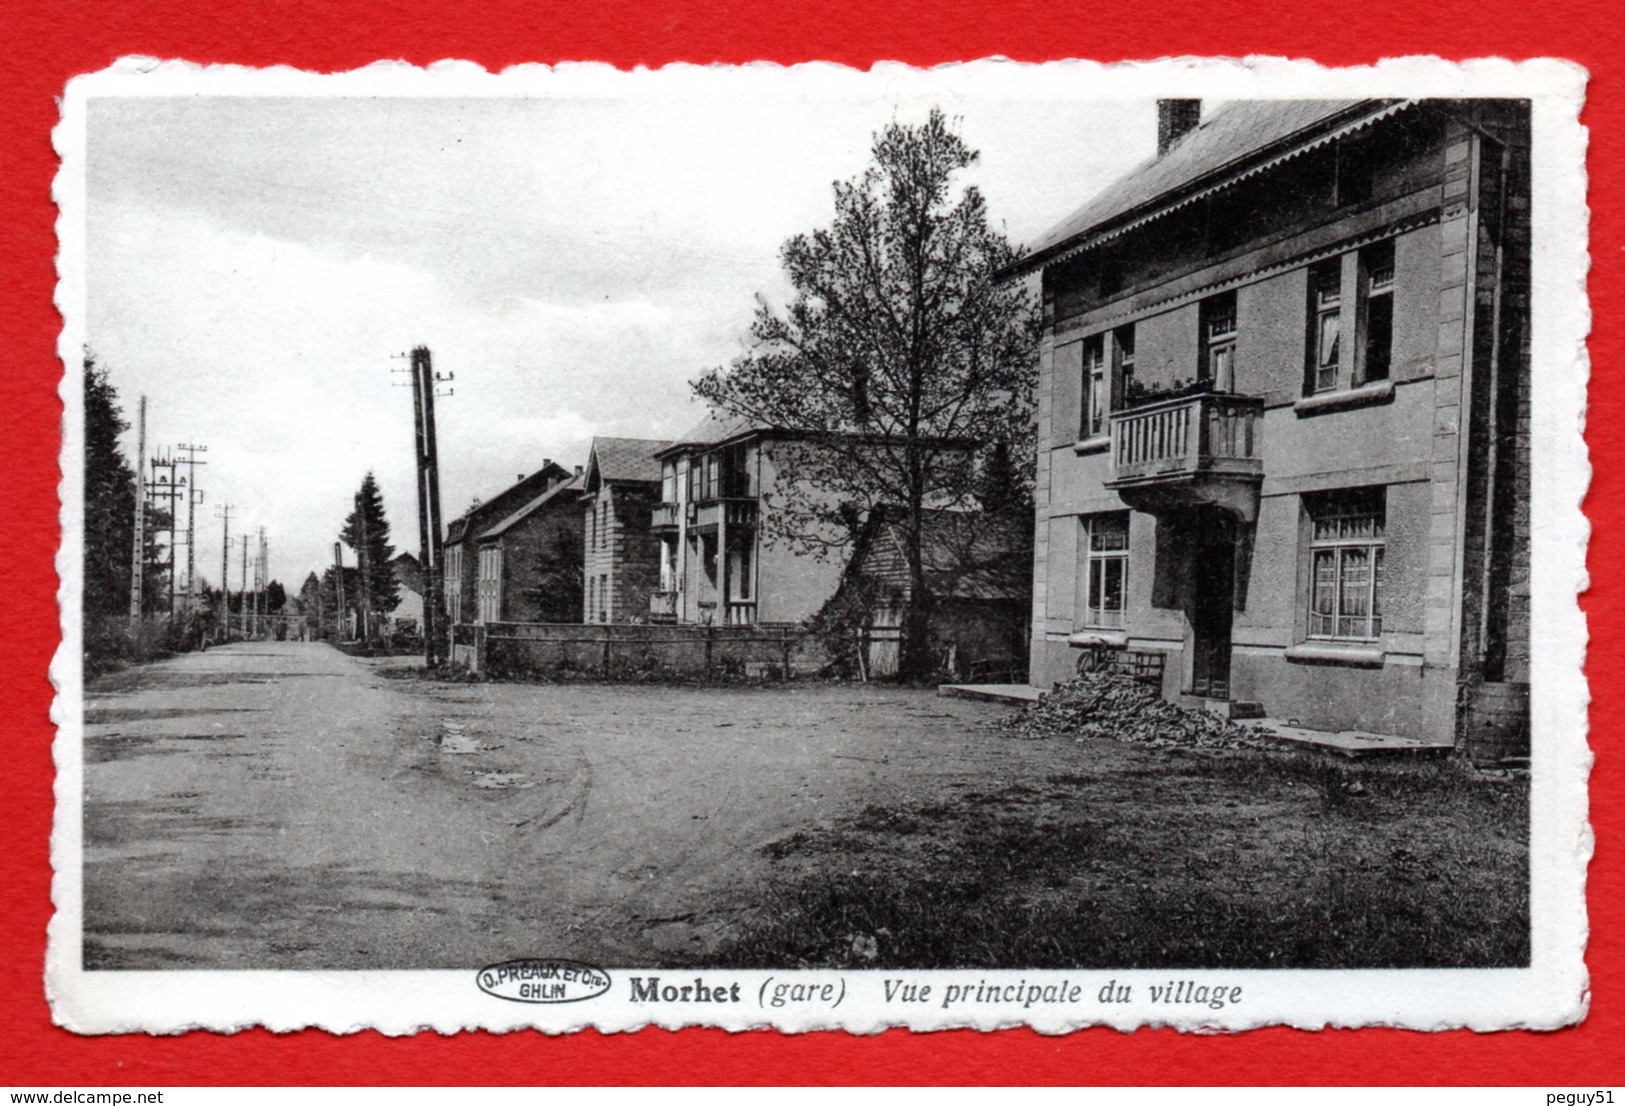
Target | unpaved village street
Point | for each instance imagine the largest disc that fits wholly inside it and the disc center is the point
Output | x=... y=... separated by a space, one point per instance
x=283 y=805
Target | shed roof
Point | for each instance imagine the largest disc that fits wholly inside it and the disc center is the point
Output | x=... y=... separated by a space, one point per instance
x=1238 y=140
x=966 y=554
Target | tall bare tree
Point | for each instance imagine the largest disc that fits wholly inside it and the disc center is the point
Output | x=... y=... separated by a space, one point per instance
x=899 y=360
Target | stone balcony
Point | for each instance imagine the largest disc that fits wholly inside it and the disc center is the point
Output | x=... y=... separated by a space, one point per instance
x=1189 y=451
x=734 y=513
x=663 y=517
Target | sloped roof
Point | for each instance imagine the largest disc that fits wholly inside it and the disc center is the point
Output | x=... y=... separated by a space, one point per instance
x=407 y=571
x=967 y=554
x=471 y=521
x=557 y=492
x=715 y=427
x=626 y=460
x=1239 y=139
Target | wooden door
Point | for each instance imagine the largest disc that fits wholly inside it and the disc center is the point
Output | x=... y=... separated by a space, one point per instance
x=1211 y=616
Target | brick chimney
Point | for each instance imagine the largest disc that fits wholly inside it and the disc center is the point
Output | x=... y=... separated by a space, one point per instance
x=1175 y=119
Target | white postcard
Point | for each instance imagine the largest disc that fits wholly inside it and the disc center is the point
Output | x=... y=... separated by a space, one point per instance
x=996 y=545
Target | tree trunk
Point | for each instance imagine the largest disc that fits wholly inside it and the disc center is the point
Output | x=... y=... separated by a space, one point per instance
x=916 y=662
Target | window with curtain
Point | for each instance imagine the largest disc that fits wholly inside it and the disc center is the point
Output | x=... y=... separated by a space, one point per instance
x=1096 y=393
x=1345 y=564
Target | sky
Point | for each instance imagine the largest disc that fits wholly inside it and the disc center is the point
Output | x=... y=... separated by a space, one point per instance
x=255 y=267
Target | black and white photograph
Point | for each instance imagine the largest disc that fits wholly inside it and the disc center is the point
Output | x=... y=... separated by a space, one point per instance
x=1052 y=545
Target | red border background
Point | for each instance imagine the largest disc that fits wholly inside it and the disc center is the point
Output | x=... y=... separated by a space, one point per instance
x=50 y=43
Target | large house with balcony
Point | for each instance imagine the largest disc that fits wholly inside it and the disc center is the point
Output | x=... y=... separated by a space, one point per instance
x=722 y=561
x=620 y=560
x=1284 y=418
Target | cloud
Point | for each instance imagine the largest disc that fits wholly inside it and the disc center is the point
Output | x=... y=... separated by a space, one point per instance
x=255 y=263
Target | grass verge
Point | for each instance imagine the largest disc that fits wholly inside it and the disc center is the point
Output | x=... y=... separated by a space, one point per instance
x=1163 y=858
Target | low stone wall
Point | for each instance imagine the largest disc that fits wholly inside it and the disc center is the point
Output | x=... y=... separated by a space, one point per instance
x=617 y=651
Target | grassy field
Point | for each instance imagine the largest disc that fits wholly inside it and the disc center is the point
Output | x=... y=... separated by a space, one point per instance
x=1153 y=858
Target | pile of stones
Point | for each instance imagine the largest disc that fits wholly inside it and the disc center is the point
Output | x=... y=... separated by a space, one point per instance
x=1121 y=708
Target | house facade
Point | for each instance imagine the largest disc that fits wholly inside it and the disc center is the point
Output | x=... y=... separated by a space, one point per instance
x=1284 y=418
x=461 y=546
x=620 y=558
x=529 y=563
x=408 y=612
x=721 y=560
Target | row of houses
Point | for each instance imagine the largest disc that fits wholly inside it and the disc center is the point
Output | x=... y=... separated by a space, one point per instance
x=682 y=532
x=1283 y=440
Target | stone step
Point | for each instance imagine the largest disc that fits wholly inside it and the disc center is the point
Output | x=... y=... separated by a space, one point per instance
x=1235 y=709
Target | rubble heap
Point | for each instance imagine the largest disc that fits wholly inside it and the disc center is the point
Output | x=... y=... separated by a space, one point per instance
x=1121 y=708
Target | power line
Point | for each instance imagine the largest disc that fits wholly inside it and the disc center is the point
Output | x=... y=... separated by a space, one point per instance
x=194 y=496
x=224 y=514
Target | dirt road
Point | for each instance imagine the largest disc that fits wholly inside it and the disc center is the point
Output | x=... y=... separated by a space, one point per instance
x=282 y=805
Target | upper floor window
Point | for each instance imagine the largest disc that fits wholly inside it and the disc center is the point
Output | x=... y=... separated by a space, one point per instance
x=713 y=467
x=1123 y=344
x=1377 y=285
x=1347 y=541
x=668 y=482
x=1096 y=393
x=1105 y=569
x=1326 y=346
x=1351 y=343
x=1218 y=352
x=734 y=479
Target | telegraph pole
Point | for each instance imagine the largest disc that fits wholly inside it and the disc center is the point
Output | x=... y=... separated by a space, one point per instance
x=138 y=560
x=242 y=601
x=261 y=612
x=363 y=570
x=192 y=499
x=338 y=587
x=224 y=514
x=430 y=536
x=168 y=489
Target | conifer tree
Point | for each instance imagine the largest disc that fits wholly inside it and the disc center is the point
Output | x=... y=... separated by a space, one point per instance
x=367 y=516
x=109 y=501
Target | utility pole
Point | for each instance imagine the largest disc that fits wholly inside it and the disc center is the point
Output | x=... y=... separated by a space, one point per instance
x=363 y=570
x=168 y=489
x=261 y=611
x=223 y=513
x=193 y=498
x=338 y=587
x=242 y=601
x=138 y=558
x=430 y=536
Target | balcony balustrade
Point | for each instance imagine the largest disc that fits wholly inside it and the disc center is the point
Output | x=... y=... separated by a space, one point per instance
x=734 y=512
x=1187 y=451
x=663 y=516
